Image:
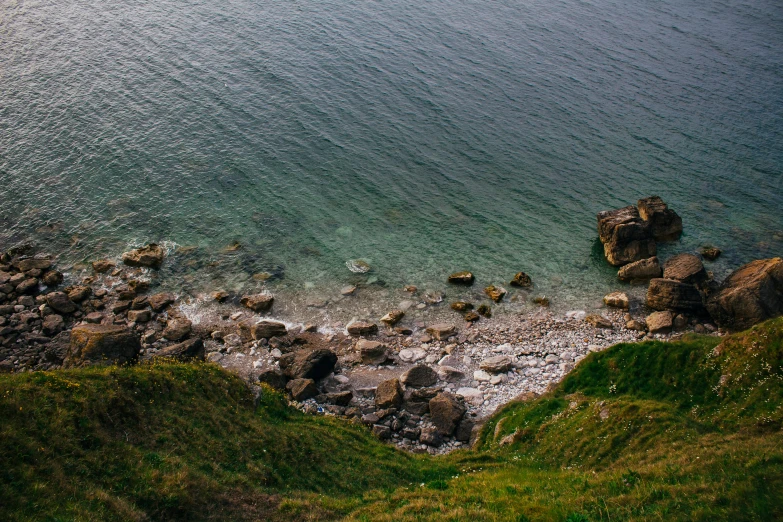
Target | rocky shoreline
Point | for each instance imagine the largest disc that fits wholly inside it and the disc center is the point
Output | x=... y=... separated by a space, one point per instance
x=425 y=385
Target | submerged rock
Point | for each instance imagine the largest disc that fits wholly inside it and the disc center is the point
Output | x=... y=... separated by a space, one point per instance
x=461 y=306
x=461 y=278
x=150 y=256
x=522 y=280
x=358 y=266
x=710 y=253
x=496 y=293
x=641 y=270
x=259 y=303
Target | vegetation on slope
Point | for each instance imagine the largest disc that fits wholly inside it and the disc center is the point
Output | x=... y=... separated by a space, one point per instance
x=687 y=430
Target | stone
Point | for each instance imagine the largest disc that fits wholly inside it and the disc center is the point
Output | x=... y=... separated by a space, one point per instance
x=139 y=316
x=521 y=280
x=665 y=224
x=302 y=389
x=94 y=317
x=710 y=253
x=272 y=377
x=450 y=374
x=497 y=364
x=60 y=302
x=668 y=294
x=617 y=300
x=372 y=352
x=52 y=324
x=461 y=278
x=412 y=354
x=150 y=256
x=442 y=331
x=431 y=437
x=388 y=394
x=52 y=278
x=393 y=317
x=461 y=306
x=348 y=290
x=680 y=322
x=471 y=317
x=33 y=263
x=358 y=266
x=481 y=376
x=751 y=294
x=120 y=306
x=598 y=321
x=417 y=401
x=28 y=286
x=220 y=296
x=140 y=303
x=635 y=325
x=381 y=431
x=660 y=322
x=177 y=329
x=342 y=398
x=541 y=300
x=362 y=328
x=259 y=303
x=192 y=349
x=267 y=330
x=159 y=302
x=95 y=344
x=419 y=376
x=484 y=310
x=686 y=268
x=79 y=293
x=464 y=430
x=496 y=293
x=641 y=270
x=471 y=395
x=308 y=364
x=103 y=265
x=625 y=235
x=446 y=411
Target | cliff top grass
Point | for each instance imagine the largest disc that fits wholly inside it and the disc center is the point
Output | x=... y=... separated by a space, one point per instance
x=687 y=430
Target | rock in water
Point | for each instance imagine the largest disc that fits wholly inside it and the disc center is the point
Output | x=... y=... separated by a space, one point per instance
x=446 y=412
x=686 y=268
x=496 y=293
x=33 y=263
x=393 y=317
x=259 y=303
x=669 y=294
x=751 y=294
x=267 y=330
x=461 y=306
x=522 y=280
x=159 y=302
x=625 y=235
x=192 y=349
x=660 y=322
x=150 y=256
x=101 y=345
x=419 y=376
x=710 y=253
x=461 y=278
x=617 y=300
x=641 y=270
x=103 y=265
x=666 y=225
x=358 y=266
x=388 y=394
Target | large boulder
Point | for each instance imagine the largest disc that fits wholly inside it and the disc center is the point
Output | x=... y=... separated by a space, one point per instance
x=150 y=256
x=625 y=235
x=665 y=224
x=388 y=394
x=309 y=364
x=419 y=376
x=101 y=345
x=273 y=378
x=417 y=401
x=192 y=349
x=446 y=411
x=641 y=270
x=669 y=294
x=259 y=303
x=687 y=268
x=267 y=330
x=751 y=294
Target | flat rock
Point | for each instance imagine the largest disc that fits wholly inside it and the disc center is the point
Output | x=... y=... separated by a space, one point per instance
x=598 y=321
x=617 y=300
x=660 y=322
x=450 y=374
x=497 y=364
x=362 y=328
x=481 y=376
x=372 y=352
x=159 y=302
x=641 y=270
x=150 y=256
x=412 y=354
x=101 y=345
x=686 y=268
x=472 y=395
x=267 y=330
x=259 y=303
x=33 y=263
x=461 y=278
x=442 y=331
x=669 y=294
x=665 y=224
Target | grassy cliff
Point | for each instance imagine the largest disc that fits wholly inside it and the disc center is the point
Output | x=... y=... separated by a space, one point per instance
x=689 y=430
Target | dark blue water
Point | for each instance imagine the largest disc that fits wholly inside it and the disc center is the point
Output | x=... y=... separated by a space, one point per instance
x=422 y=137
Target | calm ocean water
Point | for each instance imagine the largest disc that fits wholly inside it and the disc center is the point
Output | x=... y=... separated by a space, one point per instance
x=422 y=137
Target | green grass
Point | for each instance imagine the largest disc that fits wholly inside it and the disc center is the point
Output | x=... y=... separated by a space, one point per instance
x=687 y=430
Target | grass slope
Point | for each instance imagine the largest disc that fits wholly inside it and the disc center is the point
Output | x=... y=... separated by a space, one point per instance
x=687 y=430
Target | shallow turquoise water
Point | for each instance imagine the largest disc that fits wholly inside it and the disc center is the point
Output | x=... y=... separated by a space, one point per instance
x=423 y=137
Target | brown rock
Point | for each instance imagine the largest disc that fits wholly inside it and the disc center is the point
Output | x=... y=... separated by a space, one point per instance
x=60 y=302
x=441 y=331
x=302 y=389
x=94 y=318
x=309 y=364
x=159 y=302
x=431 y=437
x=486 y=311
x=259 y=303
x=660 y=322
x=267 y=330
x=636 y=325
x=617 y=300
x=139 y=316
x=150 y=256
x=665 y=224
x=471 y=317
x=522 y=280
x=95 y=344
x=220 y=296
x=710 y=253
x=32 y=263
x=668 y=294
x=496 y=364
x=598 y=321
x=372 y=352
x=273 y=378
x=461 y=278
x=52 y=324
x=28 y=286
x=393 y=317
x=625 y=235
x=446 y=412
x=52 y=278
x=541 y=300
x=419 y=376
x=388 y=394
x=686 y=268
x=177 y=329
x=496 y=293
x=79 y=293
x=358 y=328
x=192 y=349
x=641 y=270
x=751 y=294
x=103 y=265
x=461 y=306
